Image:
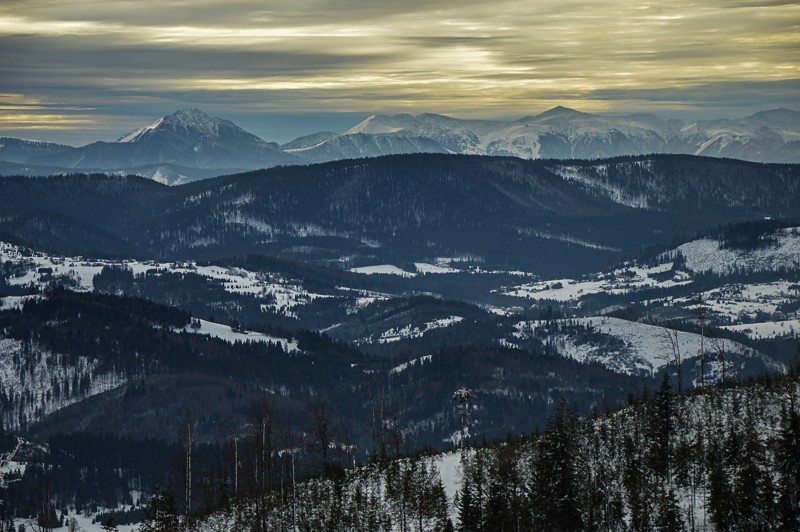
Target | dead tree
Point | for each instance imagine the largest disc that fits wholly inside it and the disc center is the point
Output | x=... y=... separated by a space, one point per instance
x=701 y=317
x=188 y=486
x=463 y=396
x=719 y=346
x=673 y=354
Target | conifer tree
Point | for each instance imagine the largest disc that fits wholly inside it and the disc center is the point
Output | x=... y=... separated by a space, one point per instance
x=787 y=457
x=557 y=486
x=468 y=515
x=161 y=514
x=660 y=430
x=669 y=515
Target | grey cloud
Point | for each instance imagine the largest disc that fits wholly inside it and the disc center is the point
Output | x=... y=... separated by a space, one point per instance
x=35 y=58
x=725 y=96
x=236 y=13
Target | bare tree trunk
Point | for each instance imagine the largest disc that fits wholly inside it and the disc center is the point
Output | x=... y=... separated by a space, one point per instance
x=674 y=355
x=701 y=316
x=236 y=467
x=188 y=469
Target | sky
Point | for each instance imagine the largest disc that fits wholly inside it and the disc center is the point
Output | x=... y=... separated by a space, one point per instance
x=79 y=71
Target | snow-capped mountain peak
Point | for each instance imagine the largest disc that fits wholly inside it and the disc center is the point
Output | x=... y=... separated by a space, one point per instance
x=561 y=112
x=192 y=121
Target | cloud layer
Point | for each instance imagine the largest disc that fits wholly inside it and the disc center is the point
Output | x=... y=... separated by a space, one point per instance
x=103 y=67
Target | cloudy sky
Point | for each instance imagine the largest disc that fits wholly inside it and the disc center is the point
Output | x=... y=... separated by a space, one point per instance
x=77 y=71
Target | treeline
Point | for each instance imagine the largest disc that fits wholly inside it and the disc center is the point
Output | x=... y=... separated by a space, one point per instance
x=722 y=458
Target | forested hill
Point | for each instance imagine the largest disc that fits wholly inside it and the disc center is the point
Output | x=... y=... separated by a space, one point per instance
x=546 y=216
x=722 y=458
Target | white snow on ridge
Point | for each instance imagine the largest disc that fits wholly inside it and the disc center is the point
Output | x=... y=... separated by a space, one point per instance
x=563 y=237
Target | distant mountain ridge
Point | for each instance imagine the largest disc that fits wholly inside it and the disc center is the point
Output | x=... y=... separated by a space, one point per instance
x=541 y=216
x=563 y=133
x=189 y=145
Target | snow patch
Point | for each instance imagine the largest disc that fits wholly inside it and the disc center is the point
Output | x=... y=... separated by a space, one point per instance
x=424 y=268
x=402 y=333
x=382 y=269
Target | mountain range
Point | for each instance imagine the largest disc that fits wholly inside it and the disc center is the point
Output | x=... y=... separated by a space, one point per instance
x=189 y=145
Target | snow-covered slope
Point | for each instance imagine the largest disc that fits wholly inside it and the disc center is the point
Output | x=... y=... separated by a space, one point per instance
x=631 y=347
x=37 y=382
x=780 y=252
x=765 y=136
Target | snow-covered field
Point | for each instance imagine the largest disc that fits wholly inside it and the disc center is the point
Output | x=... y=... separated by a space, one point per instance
x=620 y=281
x=225 y=332
x=769 y=329
x=14 y=302
x=280 y=295
x=743 y=303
